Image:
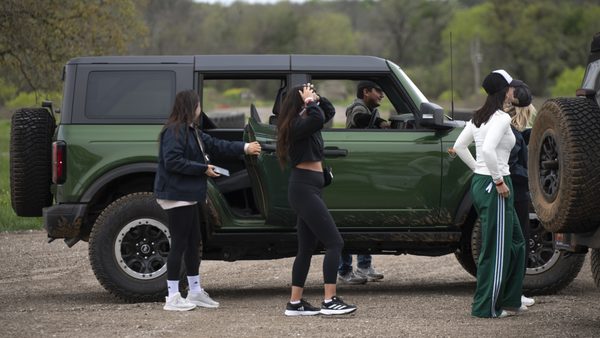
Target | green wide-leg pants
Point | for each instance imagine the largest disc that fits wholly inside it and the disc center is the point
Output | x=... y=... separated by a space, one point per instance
x=501 y=264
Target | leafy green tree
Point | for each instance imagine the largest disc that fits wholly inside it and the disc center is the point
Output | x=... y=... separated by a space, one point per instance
x=38 y=37
x=326 y=33
x=568 y=82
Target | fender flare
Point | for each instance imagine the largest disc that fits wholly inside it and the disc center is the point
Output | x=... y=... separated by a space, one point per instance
x=464 y=209
x=102 y=181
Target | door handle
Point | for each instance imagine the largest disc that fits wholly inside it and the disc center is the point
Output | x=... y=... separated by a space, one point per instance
x=335 y=152
x=268 y=148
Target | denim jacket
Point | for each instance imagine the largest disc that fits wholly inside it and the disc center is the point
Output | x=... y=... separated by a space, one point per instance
x=181 y=165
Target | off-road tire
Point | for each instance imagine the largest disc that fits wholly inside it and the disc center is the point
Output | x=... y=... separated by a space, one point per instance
x=596 y=266
x=564 y=164
x=548 y=270
x=31 y=133
x=110 y=235
x=464 y=254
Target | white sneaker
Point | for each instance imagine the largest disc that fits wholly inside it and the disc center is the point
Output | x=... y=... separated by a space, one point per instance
x=202 y=299
x=177 y=303
x=527 y=301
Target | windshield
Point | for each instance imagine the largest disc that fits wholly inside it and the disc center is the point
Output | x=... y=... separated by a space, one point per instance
x=411 y=88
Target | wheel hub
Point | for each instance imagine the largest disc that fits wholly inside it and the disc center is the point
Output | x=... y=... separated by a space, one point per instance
x=541 y=254
x=549 y=167
x=141 y=248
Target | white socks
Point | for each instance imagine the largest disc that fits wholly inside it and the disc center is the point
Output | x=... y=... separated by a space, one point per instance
x=173 y=287
x=194 y=283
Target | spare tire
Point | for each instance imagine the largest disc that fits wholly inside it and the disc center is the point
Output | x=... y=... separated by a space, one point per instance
x=31 y=133
x=564 y=165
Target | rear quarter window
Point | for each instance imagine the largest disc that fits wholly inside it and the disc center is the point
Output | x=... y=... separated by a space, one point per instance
x=129 y=94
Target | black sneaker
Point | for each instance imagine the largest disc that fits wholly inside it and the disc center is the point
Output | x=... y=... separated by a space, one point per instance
x=301 y=309
x=336 y=307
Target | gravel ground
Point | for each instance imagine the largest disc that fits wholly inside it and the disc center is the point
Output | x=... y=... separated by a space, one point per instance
x=49 y=290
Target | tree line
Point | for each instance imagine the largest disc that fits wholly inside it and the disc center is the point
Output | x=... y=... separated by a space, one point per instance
x=543 y=42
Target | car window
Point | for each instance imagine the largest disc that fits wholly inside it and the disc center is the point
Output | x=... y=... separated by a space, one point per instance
x=231 y=96
x=343 y=93
x=129 y=94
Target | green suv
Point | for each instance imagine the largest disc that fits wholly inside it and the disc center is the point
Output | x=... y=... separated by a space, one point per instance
x=396 y=191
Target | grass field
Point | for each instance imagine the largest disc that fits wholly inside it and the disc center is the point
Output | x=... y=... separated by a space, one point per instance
x=8 y=220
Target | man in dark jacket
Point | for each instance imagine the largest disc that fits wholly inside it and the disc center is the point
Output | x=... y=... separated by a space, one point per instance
x=363 y=113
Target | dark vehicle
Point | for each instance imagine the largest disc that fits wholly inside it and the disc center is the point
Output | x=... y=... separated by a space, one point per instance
x=395 y=191
x=564 y=157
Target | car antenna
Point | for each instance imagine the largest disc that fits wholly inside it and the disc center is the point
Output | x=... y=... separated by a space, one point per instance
x=451 y=80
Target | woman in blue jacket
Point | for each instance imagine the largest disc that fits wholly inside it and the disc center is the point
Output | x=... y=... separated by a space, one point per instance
x=180 y=183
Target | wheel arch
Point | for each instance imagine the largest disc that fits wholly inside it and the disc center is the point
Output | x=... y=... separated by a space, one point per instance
x=118 y=182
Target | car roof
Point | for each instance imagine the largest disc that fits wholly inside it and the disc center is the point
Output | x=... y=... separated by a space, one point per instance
x=251 y=62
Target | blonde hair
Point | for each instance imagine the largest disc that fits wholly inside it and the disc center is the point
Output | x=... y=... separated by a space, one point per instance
x=522 y=117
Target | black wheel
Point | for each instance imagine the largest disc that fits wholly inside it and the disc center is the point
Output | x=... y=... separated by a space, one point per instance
x=596 y=266
x=464 y=254
x=31 y=133
x=548 y=270
x=128 y=248
x=564 y=164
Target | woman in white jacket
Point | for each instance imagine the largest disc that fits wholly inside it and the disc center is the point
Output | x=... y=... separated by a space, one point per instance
x=502 y=258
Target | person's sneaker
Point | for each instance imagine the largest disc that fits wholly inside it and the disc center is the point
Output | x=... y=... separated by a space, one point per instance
x=301 y=309
x=515 y=311
x=177 y=303
x=201 y=299
x=336 y=307
x=370 y=273
x=351 y=278
x=504 y=314
x=527 y=301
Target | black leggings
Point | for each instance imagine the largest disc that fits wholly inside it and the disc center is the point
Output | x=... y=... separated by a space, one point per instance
x=186 y=240
x=314 y=225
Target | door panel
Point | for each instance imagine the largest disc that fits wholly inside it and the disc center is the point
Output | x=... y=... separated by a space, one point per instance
x=388 y=178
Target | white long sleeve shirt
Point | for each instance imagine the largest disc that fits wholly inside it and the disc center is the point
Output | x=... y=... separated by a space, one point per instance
x=493 y=143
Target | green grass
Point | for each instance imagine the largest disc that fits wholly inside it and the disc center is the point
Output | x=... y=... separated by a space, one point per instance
x=8 y=220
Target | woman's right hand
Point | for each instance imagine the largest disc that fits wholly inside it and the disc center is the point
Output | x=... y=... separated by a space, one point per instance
x=308 y=92
x=209 y=171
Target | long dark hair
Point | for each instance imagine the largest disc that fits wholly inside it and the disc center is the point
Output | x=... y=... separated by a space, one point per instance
x=183 y=110
x=290 y=108
x=492 y=103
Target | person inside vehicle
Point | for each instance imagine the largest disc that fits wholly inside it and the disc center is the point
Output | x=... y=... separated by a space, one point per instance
x=363 y=113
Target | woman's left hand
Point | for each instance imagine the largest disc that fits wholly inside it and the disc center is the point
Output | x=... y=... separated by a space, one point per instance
x=253 y=148
x=503 y=190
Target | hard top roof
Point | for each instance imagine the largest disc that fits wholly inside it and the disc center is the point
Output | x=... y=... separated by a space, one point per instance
x=248 y=62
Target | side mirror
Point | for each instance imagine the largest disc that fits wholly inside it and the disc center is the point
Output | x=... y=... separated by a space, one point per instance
x=432 y=116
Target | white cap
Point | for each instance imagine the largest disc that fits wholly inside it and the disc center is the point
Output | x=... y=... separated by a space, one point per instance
x=504 y=74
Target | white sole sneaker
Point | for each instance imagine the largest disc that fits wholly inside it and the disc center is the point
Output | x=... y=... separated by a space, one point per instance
x=527 y=301
x=177 y=303
x=202 y=299
x=329 y=312
x=202 y=304
x=292 y=313
x=178 y=308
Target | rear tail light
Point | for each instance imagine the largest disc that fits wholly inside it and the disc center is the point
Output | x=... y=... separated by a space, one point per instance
x=59 y=162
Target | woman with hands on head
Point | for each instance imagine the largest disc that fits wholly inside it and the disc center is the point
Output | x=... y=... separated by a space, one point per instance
x=179 y=185
x=299 y=143
x=502 y=258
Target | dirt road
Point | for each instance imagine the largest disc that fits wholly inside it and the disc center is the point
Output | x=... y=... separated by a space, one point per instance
x=49 y=290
